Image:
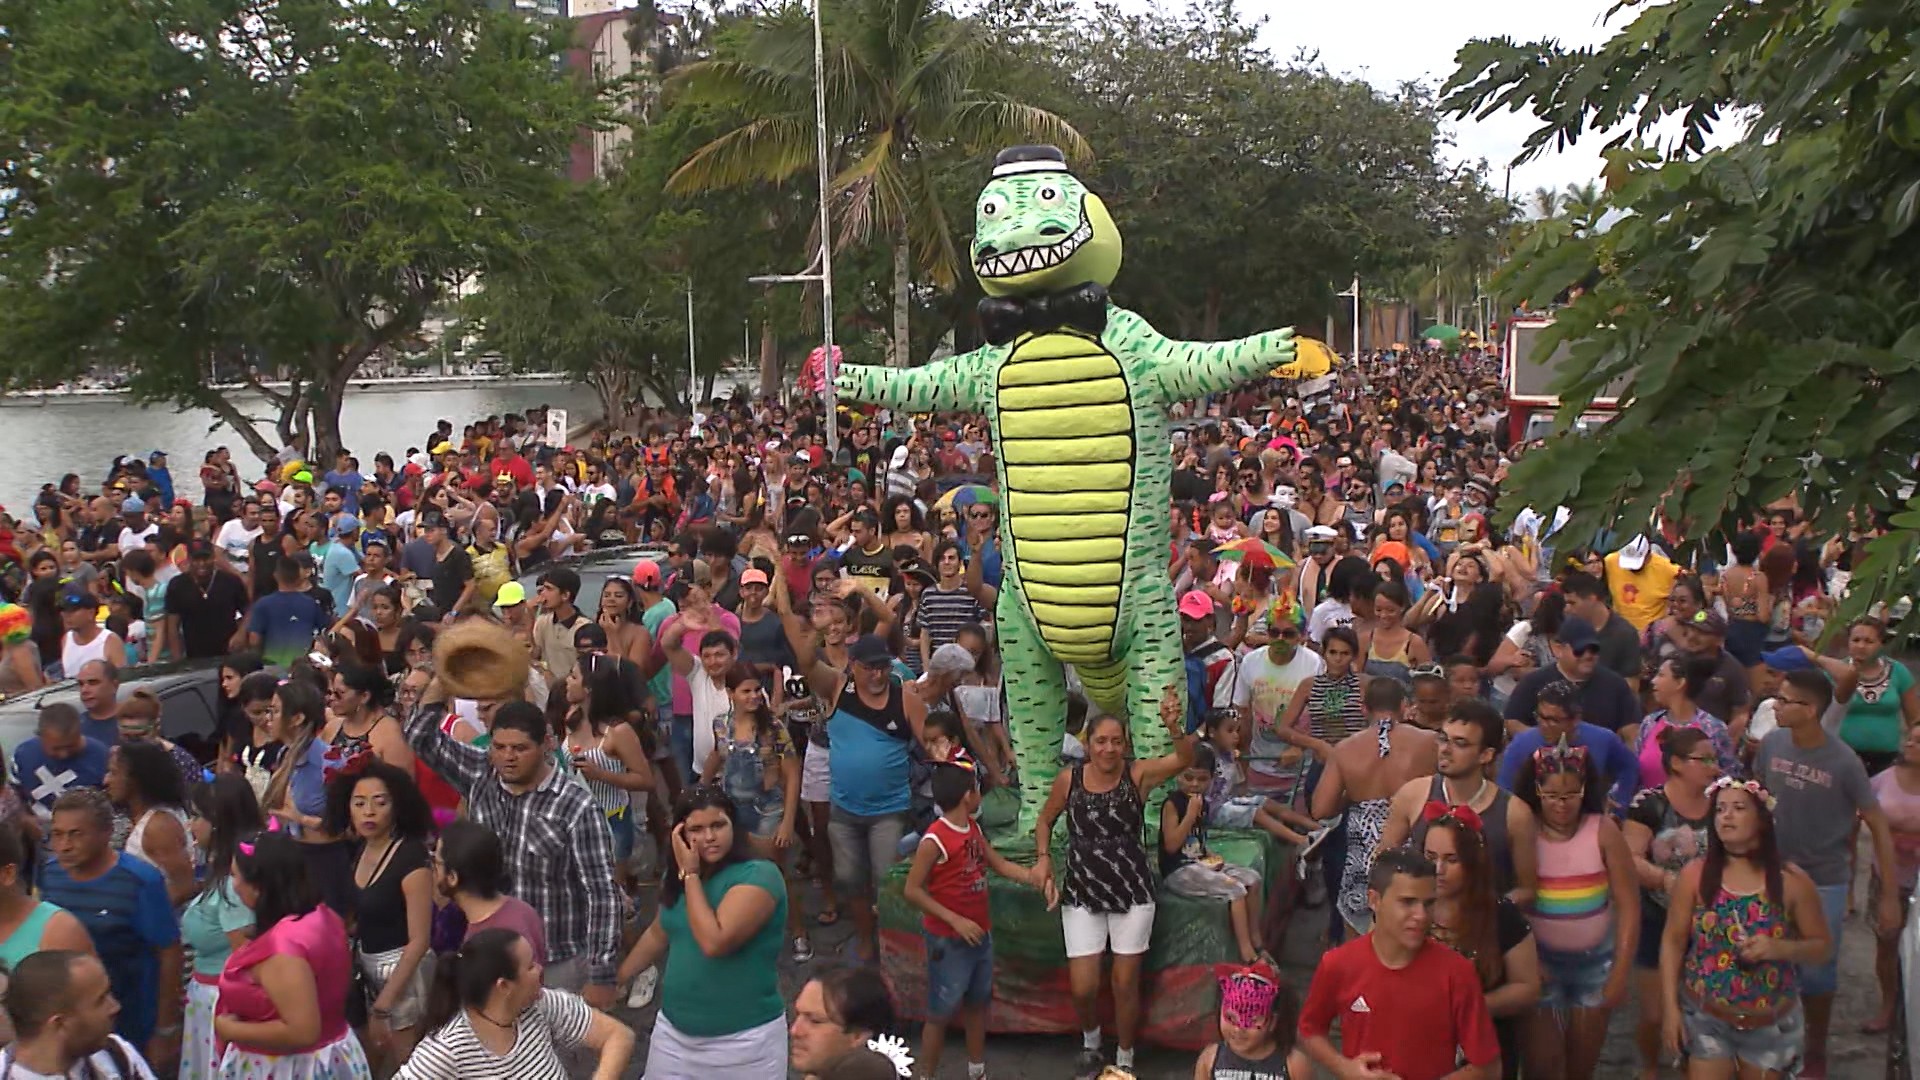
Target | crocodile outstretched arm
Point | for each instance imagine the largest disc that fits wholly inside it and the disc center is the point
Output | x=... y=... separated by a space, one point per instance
x=958 y=382
x=1184 y=370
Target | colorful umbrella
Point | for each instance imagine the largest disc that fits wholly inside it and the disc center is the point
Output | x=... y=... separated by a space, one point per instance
x=1254 y=552
x=966 y=495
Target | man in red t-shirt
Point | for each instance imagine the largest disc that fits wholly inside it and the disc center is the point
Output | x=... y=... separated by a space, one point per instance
x=1376 y=985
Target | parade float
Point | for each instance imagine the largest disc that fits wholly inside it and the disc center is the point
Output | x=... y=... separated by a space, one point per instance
x=1076 y=391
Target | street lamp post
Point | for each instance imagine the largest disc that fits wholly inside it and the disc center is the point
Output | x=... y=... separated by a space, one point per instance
x=821 y=271
x=692 y=378
x=1354 y=292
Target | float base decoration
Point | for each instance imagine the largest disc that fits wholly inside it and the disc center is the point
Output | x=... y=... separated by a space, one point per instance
x=1031 y=994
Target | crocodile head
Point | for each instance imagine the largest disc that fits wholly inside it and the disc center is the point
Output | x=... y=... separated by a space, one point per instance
x=1037 y=229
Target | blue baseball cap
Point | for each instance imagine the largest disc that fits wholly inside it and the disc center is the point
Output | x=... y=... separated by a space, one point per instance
x=133 y=505
x=1787 y=658
x=346 y=525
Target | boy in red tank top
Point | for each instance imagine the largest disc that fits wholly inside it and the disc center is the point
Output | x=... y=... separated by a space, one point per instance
x=948 y=883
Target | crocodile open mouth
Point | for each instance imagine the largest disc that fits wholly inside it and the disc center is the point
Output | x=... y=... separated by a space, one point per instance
x=1027 y=260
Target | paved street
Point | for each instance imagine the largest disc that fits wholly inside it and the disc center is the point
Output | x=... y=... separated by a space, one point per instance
x=1852 y=1055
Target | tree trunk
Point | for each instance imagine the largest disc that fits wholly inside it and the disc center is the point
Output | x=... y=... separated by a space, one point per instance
x=611 y=384
x=219 y=405
x=902 y=291
x=769 y=361
x=324 y=402
x=1210 y=318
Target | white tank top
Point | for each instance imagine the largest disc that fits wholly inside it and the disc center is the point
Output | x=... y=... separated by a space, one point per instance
x=74 y=656
x=136 y=845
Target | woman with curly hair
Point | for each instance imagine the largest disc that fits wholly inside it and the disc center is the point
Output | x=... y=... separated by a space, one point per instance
x=390 y=822
x=142 y=777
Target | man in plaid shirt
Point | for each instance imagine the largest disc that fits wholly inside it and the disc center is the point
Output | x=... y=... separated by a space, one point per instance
x=558 y=847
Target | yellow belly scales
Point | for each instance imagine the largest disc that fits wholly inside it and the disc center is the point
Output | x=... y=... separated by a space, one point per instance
x=1067 y=453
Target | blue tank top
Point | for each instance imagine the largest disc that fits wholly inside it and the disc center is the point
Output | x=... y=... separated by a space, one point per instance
x=869 y=773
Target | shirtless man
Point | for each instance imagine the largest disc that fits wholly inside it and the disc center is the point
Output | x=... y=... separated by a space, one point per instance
x=1470 y=742
x=1367 y=768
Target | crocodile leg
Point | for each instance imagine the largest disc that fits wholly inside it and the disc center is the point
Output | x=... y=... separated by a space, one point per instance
x=1036 y=686
x=1153 y=660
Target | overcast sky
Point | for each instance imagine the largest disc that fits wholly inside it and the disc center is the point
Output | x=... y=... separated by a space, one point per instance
x=1391 y=41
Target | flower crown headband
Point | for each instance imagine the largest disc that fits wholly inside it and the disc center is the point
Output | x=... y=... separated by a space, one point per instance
x=1751 y=787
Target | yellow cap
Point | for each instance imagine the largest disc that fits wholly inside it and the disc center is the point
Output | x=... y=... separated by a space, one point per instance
x=510 y=595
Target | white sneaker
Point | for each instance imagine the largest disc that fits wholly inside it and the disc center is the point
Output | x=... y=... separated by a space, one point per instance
x=644 y=988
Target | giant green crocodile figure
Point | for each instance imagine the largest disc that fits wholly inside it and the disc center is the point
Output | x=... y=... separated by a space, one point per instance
x=1076 y=391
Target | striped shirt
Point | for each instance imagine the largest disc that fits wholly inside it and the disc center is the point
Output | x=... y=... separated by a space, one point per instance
x=455 y=1053
x=558 y=845
x=943 y=613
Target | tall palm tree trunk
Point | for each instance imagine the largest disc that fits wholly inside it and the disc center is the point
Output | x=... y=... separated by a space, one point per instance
x=902 y=286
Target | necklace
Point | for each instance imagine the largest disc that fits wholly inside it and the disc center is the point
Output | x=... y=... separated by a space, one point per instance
x=1479 y=791
x=482 y=1014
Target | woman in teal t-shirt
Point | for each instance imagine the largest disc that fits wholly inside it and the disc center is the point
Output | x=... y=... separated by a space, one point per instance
x=1884 y=702
x=214 y=921
x=720 y=926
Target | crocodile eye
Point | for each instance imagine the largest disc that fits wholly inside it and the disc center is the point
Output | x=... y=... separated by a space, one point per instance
x=1049 y=195
x=989 y=208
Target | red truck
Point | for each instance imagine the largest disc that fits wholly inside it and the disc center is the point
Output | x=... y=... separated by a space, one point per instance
x=1531 y=402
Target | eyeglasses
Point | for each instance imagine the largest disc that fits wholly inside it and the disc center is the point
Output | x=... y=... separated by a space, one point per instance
x=1708 y=760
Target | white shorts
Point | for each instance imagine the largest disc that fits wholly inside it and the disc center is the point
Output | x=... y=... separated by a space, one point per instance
x=815 y=777
x=1089 y=934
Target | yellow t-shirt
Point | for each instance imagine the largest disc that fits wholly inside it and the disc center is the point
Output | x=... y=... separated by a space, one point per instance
x=1640 y=596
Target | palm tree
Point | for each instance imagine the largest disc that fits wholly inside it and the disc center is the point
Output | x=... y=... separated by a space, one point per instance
x=1545 y=203
x=1583 y=206
x=902 y=84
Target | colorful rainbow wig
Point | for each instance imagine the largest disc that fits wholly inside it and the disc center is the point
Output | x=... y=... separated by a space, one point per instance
x=15 y=624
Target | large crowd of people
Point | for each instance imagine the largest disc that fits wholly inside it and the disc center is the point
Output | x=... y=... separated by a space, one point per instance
x=1527 y=779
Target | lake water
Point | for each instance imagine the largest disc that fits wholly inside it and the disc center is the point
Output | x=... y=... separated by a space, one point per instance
x=82 y=435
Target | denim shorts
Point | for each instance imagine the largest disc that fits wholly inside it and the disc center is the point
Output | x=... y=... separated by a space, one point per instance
x=1575 y=980
x=864 y=847
x=957 y=973
x=621 y=826
x=1824 y=978
x=1777 y=1047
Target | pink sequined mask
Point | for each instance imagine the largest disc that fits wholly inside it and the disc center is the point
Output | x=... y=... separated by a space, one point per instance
x=1246 y=999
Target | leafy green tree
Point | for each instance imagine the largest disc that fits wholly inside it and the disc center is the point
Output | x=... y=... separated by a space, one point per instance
x=904 y=89
x=1762 y=294
x=229 y=186
x=1248 y=188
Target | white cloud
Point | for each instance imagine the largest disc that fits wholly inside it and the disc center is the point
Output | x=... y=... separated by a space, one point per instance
x=1388 y=42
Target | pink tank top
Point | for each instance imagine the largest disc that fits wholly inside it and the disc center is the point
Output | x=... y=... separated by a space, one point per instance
x=1571 y=908
x=320 y=939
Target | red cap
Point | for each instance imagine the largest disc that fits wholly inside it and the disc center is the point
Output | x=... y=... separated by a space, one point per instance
x=646 y=574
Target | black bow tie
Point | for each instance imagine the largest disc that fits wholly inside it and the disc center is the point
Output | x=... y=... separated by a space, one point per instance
x=1083 y=307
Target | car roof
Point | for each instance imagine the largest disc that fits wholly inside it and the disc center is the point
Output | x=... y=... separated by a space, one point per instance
x=189 y=694
x=594 y=568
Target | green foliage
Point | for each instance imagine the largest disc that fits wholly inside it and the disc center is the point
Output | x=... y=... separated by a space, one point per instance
x=286 y=187
x=1763 y=294
x=905 y=89
x=1248 y=188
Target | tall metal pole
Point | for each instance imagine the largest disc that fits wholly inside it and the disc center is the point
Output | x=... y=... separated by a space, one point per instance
x=831 y=420
x=691 y=377
x=1356 y=320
